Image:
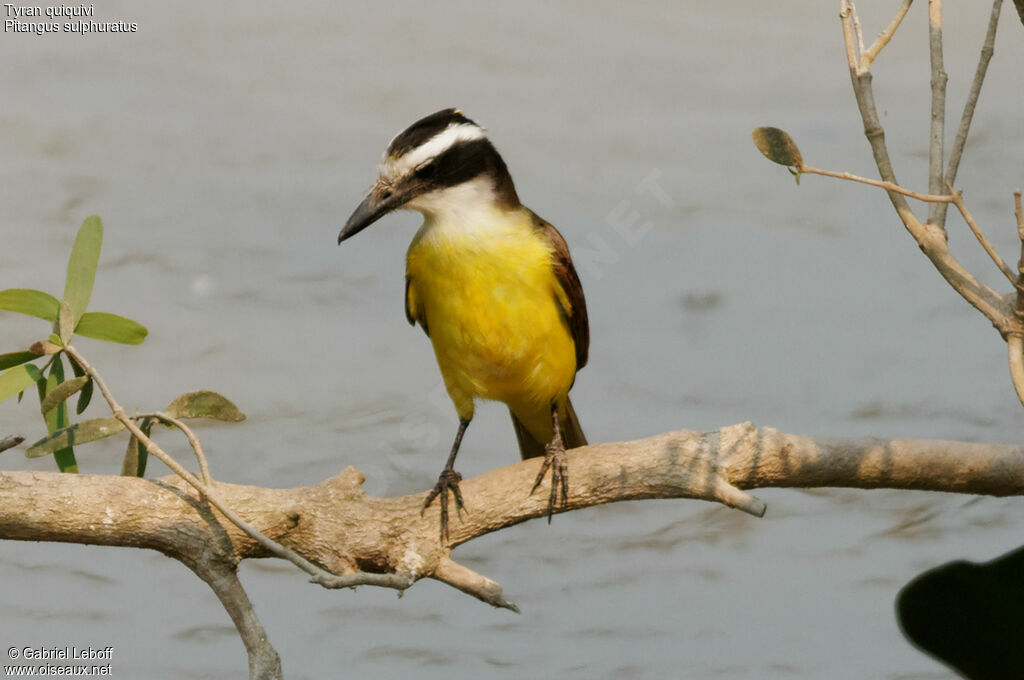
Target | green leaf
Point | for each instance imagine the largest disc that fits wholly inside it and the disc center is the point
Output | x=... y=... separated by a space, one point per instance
x=85 y=255
x=15 y=381
x=136 y=456
x=111 y=327
x=32 y=302
x=204 y=404
x=65 y=321
x=777 y=146
x=86 y=395
x=79 y=433
x=15 y=359
x=62 y=391
x=57 y=418
x=84 y=398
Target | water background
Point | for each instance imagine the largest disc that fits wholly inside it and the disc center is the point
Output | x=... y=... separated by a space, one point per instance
x=224 y=144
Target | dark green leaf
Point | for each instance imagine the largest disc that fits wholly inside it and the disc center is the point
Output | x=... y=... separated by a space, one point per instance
x=86 y=395
x=111 y=327
x=79 y=433
x=85 y=255
x=62 y=391
x=56 y=371
x=15 y=359
x=32 y=302
x=135 y=457
x=14 y=381
x=65 y=459
x=65 y=324
x=34 y=373
x=57 y=418
x=204 y=404
x=777 y=146
x=84 y=398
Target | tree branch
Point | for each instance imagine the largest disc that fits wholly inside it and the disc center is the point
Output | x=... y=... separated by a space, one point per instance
x=866 y=58
x=888 y=186
x=337 y=526
x=221 y=575
x=980 y=235
x=938 y=113
x=931 y=238
x=987 y=50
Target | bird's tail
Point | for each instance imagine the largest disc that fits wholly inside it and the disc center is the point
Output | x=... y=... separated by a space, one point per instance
x=572 y=433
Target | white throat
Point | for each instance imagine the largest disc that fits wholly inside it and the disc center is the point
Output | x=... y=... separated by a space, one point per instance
x=467 y=206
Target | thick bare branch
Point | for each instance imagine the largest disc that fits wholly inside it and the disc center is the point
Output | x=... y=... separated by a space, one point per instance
x=10 y=442
x=386 y=541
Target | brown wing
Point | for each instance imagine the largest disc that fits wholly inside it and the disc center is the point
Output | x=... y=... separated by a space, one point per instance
x=413 y=311
x=565 y=272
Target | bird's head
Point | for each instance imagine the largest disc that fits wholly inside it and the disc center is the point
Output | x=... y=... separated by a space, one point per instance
x=436 y=165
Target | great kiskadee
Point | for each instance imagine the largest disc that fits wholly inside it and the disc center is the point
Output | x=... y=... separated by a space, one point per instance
x=493 y=287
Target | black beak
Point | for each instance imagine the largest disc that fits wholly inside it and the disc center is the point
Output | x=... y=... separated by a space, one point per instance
x=378 y=203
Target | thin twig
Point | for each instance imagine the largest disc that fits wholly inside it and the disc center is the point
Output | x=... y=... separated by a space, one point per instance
x=275 y=548
x=888 y=186
x=987 y=50
x=154 y=450
x=10 y=442
x=931 y=240
x=193 y=440
x=1018 y=212
x=857 y=28
x=884 y=37
x=938 y=113
x=869 y=113
x=958 y=201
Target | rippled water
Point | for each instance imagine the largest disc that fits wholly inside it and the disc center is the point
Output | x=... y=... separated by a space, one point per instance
x=224 y=145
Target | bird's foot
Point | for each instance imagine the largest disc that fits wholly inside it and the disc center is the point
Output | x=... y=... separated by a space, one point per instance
x=448 y=481
x=555 y=458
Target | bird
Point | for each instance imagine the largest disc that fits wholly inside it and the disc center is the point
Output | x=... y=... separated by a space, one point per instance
x=493 y=287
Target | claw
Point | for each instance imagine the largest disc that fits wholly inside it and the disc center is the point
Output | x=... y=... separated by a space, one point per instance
x=447 y=481
x=555 y=459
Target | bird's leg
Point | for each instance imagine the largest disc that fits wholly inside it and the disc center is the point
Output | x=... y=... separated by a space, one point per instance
x=448 y=481
x=554 y=458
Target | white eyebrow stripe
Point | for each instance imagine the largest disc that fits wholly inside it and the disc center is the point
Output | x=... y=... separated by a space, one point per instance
x=436 y=145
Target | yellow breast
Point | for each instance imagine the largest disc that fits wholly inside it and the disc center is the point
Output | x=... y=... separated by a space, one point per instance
x=492 y=306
